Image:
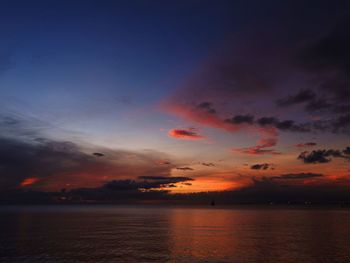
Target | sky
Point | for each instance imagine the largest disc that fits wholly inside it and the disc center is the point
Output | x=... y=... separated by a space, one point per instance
x=174 y=96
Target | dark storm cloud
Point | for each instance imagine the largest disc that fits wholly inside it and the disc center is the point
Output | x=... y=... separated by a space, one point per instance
x=323 y=156
x=297 y=176
x=241 y=119
x=262 y=166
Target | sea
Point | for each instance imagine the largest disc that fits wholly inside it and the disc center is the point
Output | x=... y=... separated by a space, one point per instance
x=107 y=233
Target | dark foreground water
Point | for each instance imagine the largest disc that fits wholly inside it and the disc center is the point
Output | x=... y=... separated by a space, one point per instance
x=157 y=234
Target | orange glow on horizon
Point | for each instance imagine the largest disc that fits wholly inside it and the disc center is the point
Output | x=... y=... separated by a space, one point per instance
x=206 y=185
x=29 y=181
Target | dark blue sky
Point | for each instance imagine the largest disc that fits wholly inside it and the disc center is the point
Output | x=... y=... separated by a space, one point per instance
x=228 y=83
x=63 y=60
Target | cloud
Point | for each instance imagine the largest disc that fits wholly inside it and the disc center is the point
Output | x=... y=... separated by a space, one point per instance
x=341 y=124
x=208 y=164
x=167 y=179
x=324 y=61
x=304 y=69
x=346 y=151
x=305 y=95
x=256 y=150
x=29 y=181
x=328 y=57
x=285 y=125
x=184 y=168
x=163 y=162
x=53 y=164
x=21 y=127
x=296 y=176
x=260 y=148
x=262 y=166
x=147 y=183
x=306 y=144
x=290 y=188
x=174 y=179
x=207 y=106
x=241 y=119
x=99 y=154
x=189 y=134
x=30 y=160
x=190 y=112
x=322 y=156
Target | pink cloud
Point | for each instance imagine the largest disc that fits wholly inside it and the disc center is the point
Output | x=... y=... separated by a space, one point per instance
x=191 y=113
x=187 y=134
x=260 y=148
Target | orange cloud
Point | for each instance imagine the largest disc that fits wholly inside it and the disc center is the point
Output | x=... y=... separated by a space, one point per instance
x=256 y=150
x=189 y=134
x=29 y=181
x=260 y=148
x=210 y=118
x=200 y=116
x=162 y=162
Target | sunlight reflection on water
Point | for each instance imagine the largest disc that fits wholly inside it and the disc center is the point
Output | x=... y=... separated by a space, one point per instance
x=160 y=234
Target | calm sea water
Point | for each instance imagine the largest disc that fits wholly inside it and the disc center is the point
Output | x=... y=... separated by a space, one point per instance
x=159 y=234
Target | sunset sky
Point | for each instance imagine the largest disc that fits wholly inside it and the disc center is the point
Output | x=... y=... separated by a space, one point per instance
x=184 y=96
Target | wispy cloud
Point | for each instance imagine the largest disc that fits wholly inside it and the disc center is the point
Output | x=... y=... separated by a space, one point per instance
x=305 y=144
x=188 y=134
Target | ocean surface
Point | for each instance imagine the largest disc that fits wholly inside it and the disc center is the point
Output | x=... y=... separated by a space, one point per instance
x=171 y=234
